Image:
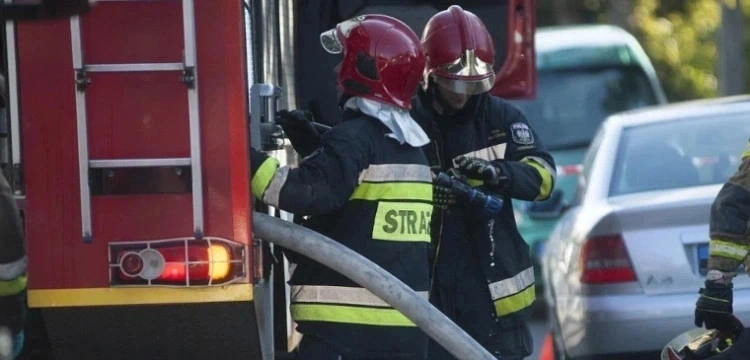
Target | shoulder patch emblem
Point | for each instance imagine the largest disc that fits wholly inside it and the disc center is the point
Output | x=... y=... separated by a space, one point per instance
x=521 y=134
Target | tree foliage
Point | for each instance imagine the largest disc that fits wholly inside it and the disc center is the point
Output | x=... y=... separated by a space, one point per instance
x=680 y=37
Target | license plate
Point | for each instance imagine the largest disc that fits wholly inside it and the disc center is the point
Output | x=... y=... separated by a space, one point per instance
x=703 y=259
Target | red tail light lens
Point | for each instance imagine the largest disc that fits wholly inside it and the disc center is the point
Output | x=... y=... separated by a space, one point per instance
x=605 y=260
x=569 y=170
x=205 y=263
x=208 y=261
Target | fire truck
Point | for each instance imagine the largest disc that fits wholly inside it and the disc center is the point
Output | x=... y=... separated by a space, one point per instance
x=125 y=140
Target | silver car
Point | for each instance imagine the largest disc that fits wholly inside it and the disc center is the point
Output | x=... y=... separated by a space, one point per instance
x=624 y=263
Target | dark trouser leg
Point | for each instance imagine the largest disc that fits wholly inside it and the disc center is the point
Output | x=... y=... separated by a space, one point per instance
x=510 y=341
x=469 y=305
x=313 y=348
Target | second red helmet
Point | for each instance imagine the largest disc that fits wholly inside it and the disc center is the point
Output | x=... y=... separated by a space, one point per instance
x=459 y=51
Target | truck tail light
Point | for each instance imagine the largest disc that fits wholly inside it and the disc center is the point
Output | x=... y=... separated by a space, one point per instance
x=177 y=262
x=605 y=260
x=131 y=264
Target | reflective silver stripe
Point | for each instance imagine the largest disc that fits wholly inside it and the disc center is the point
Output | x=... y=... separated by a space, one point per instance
x=516 y=284
x=494 y=152
x=546 y=165
x=271 y=196
x=339 y=295
x=13 y=270
x=396 y=172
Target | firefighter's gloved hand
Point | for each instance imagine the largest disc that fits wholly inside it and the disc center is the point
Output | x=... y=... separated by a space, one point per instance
x=489 y=205
x=298 y=127
x=442 y=194
x=477 y=168
x=453 y=187
x=714 y=306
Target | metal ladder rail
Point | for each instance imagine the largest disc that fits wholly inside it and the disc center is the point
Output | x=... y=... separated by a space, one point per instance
x=264 y=100
x=14 y=117
x=188 y=67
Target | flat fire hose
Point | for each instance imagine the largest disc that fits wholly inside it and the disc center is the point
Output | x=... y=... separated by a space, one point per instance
x=374 y=278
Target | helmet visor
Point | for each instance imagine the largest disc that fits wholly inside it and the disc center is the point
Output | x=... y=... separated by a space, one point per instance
x=330 y=42
x=465 y=86
x=330 y=38
x=468 y=75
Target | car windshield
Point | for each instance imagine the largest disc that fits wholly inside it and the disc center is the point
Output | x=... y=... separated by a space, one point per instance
x=570 y=104
x=679 y=154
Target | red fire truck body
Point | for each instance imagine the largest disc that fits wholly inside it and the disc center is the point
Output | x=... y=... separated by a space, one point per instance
x=150 y=131
x=130 y=162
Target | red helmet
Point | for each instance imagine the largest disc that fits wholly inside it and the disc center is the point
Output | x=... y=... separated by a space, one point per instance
x=383 y=59
x=459 y=50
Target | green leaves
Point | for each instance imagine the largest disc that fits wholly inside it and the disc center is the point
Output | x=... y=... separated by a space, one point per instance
x=682 y=43
x=681 y=37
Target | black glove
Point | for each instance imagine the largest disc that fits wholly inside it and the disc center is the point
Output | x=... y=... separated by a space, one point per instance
x=714 y=306
x=477 y=168
x=298 y=127
x=466 y=195
x=442 y=194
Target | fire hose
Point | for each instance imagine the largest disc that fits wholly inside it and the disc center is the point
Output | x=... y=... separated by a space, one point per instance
x=374 y=278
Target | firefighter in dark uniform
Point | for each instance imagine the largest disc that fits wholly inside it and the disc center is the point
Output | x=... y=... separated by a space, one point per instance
x=483 y=278
x=367 y=184
x=12 y=265
x=728 y=248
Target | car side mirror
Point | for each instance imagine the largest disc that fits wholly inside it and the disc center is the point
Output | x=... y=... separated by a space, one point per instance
x=43 y=9
x=551 y=208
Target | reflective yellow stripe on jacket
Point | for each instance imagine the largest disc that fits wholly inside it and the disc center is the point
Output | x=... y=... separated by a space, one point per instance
x=545 y=171
x=13 y=287
x=263 y=176
x=340 y=304
x=727 y=249
x=404 y=196
x=514 y=294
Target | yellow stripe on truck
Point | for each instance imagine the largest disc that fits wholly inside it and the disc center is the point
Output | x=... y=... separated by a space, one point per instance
x=138 y=296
